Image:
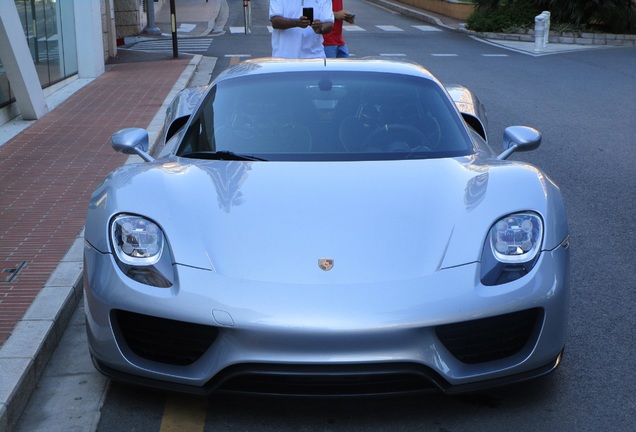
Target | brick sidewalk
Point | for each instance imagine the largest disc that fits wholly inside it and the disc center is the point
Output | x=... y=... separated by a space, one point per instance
x=48 y=171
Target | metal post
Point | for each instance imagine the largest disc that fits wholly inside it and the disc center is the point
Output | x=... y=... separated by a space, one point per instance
x=151 y=28
x=173 y=27
x=247 y=16
x=35 y=34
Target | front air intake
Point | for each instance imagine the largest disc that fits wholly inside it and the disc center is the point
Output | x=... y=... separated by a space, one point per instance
x=164 y=340
x=489 y=339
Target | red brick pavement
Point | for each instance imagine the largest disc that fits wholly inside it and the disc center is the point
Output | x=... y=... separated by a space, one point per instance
x=48 y=171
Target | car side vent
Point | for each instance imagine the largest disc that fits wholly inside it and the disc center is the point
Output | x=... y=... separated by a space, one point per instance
x=489 y=339
x=164 y=340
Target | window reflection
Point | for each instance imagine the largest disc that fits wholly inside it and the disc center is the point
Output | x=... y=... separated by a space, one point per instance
x=49 y=26
x=5 y=92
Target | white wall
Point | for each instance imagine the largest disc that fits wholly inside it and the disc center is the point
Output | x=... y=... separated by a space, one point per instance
x=18 y=63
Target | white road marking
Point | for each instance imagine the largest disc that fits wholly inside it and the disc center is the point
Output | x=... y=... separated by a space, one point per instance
x=186 y=28
x=389 y=28
x=184 y=45
x=426 y=28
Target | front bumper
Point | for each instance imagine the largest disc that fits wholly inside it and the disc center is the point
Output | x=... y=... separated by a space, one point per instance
x=333 y=381
x=351 y=339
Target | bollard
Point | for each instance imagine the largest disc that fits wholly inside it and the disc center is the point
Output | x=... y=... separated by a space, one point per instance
x=546 y=31
x=539 y=32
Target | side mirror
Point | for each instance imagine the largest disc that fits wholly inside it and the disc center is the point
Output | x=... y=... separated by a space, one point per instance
x=132 y=141
x=519 y=138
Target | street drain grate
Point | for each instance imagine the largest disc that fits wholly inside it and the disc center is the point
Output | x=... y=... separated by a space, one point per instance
x=10 y=270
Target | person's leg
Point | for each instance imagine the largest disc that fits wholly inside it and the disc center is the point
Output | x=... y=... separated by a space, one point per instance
x=331 y=51
x=342 y=51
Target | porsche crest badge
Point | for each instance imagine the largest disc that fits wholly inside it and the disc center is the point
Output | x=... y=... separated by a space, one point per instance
x=325 y=264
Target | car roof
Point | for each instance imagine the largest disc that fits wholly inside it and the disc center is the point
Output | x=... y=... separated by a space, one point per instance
x=270 y=65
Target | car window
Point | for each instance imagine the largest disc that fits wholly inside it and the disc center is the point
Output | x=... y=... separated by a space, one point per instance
x=327 y=116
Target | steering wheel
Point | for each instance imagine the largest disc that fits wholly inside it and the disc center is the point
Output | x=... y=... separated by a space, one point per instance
x=396 y=138
x=433 y=130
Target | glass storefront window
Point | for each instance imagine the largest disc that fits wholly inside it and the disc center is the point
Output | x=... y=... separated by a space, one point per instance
x=49 y=26
x=5 y=91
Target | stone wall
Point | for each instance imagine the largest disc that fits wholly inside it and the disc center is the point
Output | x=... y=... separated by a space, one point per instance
x=449 y=8
x=108 y=29
x=130 y=17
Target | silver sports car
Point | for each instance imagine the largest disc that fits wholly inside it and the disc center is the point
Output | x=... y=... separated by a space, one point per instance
x=326 y=227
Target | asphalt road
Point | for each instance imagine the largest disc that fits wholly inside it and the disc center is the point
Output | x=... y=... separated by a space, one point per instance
x=584 y=103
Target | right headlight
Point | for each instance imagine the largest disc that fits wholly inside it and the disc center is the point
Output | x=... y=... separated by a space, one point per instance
x=141 y=250
x=512 y=248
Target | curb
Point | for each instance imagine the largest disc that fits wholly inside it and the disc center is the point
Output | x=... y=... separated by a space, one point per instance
x=412 y=12
x=24 y=356
x=594 y=39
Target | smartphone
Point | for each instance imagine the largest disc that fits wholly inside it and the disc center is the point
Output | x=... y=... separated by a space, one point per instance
x=309 y=13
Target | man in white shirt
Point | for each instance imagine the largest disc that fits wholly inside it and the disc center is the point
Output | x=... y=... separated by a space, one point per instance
x=294 y=36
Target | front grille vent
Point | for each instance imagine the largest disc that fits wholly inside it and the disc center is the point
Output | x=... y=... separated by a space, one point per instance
x=328 y=380
x=489 y=339
x=164 y=340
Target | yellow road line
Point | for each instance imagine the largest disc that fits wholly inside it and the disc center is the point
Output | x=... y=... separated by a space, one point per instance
x=183 y=413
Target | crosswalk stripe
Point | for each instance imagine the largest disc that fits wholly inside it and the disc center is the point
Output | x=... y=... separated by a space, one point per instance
x=351 y=28
x=186 y=28
x=426 y=28
x=169 y=43
x=386 y=28
x=389 y=28
x=185 y=45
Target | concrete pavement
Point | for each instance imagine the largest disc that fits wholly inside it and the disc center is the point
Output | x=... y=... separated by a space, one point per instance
x=48 y=171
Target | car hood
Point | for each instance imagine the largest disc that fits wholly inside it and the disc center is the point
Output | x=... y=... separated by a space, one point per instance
x=274 y=221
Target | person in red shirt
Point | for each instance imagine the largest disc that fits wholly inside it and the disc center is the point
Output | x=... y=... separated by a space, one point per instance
x=334 y=44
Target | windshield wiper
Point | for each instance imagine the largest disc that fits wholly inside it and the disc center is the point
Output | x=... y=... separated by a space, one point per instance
x=222 y=155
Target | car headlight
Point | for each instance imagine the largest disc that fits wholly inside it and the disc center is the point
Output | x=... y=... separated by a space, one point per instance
x=512 y=248
x=140 y=250
x=516 y=238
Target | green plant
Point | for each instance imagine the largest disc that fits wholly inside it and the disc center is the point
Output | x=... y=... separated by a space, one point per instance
x=502 y=16
x=611 y=13
x=617 y=16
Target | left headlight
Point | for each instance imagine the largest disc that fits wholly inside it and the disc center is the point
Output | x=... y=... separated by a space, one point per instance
x=512 y=248
x=140 y=250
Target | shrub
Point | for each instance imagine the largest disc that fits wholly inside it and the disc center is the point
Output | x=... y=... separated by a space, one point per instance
x=502 y=16
x=609 y=15
x=616 y=16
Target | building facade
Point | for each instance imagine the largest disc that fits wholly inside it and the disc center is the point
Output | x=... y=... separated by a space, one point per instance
x=47 y=43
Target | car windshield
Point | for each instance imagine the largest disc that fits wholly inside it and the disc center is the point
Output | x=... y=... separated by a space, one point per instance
x=326 y=116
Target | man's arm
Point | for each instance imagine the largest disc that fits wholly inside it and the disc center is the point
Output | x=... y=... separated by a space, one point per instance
x=344 y=15
x=322 y=27
x=282 y=23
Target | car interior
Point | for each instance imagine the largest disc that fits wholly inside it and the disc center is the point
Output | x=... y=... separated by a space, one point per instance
x=334 y=115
